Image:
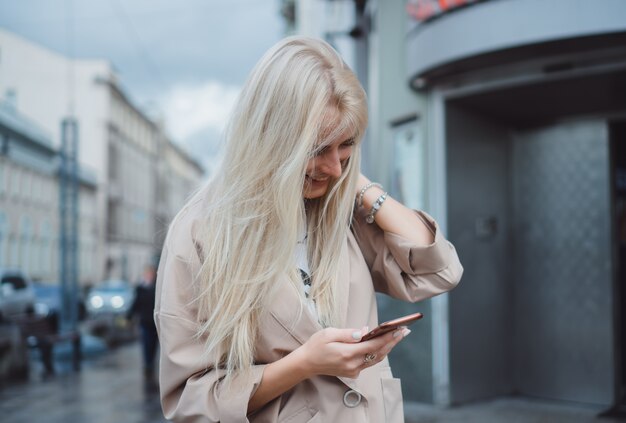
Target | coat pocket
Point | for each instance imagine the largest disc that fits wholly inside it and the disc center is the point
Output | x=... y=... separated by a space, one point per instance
x=392 y=400
x=303 y=415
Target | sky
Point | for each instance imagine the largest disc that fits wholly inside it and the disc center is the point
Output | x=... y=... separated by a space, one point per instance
x=184 y=60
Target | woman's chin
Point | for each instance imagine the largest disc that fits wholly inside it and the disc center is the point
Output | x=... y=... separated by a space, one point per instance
x=311 y=195
x=314 y=189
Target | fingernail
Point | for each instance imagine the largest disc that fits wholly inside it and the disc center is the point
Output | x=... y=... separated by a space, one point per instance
x=406 y=332
x=356 y=335
x=398 y=333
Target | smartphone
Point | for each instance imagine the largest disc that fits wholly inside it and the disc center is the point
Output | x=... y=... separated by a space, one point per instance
x=391 y=325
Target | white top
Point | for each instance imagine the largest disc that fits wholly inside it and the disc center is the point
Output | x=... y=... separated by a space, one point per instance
x=302 y=262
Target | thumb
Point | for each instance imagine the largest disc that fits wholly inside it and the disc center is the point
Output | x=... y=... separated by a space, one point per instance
x=352 y=335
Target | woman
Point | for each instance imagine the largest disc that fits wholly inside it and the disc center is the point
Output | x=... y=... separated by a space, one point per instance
x=267 y=278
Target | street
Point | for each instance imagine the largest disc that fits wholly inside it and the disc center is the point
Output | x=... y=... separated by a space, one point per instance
x=110 y=388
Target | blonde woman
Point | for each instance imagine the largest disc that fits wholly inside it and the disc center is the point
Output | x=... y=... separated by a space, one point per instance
x=267 y=278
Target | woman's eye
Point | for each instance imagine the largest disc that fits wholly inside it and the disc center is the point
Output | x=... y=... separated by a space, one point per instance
x=325 y=149
x=320 y=152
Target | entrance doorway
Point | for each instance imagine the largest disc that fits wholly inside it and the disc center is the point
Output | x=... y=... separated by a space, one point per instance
x=529 y=213
x=618 y=174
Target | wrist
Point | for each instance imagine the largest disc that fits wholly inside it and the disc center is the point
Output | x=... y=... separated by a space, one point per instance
x=364 y=190
x=371 y=216
x=371 y=195
x=301 y=363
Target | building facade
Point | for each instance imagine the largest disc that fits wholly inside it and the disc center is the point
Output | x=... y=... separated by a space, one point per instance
x=522 y=115
x=124 y=148
x=29 y=203
x=180 y=178
x=132 y=144
x=505 y=120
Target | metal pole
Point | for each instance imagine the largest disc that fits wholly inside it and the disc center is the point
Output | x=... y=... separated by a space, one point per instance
x=68 y=218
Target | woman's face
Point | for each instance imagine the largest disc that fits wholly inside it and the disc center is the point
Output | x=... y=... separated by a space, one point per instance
x=326 y=166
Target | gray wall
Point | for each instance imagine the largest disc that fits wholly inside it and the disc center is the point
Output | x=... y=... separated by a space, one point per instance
x=389 y=100
x=481 y=306
x=529 y=214
x=411 y=359
x=388 y=96
x=563 y=279
x=500 y=24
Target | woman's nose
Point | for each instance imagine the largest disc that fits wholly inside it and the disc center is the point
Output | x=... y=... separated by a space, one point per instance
x=332 y=164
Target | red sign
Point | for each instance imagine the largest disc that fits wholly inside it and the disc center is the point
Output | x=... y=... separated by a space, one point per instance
x=423 y=10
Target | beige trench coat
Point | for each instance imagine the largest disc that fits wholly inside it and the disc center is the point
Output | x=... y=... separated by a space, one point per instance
x=191 y=390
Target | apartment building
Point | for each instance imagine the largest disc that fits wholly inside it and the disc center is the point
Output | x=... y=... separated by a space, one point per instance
x=29 y=203
x=123 y=147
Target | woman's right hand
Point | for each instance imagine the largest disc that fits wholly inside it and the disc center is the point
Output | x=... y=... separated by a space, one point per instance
x=338 y=352
x=331 y=351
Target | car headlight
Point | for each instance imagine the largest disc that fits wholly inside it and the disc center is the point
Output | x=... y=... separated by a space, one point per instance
x=96 y=301
x=42 y=309
x=117 y=301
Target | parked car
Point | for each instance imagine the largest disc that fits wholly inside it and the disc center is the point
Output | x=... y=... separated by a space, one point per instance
x=107 y=306
x=48 y=301
x=110 y=297
x=16 y=293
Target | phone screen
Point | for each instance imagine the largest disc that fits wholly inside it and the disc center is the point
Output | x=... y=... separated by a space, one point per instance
x=391 y=325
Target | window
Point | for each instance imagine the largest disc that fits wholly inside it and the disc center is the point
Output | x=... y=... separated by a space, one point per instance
x=2 y=167
x=28 y=186
x=408 y=150
x=12 y=253
x=113 y=162
x=2 y=238
x=25 y=235
x=44 y=255
x=36 y=191
x=15 y=182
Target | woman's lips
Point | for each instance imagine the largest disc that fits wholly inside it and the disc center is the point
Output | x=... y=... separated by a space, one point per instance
x=317 y=179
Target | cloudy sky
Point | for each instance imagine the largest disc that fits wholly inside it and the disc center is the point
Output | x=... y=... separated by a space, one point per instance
x=183 y=59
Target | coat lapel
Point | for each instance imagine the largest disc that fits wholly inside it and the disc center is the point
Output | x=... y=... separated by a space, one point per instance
x=296 y=320
x=300 y=323
x=343 y=290
x=343 y=284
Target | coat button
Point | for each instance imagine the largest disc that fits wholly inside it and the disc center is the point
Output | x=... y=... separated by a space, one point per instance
x=351 y=398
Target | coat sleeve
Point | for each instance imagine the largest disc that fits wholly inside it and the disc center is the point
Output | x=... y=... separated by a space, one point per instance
x=404 y=270
x=191 y=385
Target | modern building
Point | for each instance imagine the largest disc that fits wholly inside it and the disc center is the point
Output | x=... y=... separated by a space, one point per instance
x=506 y=120
x=525 y=120
x=125 y=148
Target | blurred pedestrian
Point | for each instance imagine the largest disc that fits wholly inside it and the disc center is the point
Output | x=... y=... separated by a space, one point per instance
x=37 y=331
x=143 y=307
x=267 y=276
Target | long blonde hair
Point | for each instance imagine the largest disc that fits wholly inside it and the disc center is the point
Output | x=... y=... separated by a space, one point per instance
x=298 y=97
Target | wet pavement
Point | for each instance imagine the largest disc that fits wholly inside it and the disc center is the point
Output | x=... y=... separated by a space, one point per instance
x=110 y=388
x=508 y=410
